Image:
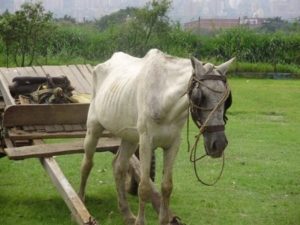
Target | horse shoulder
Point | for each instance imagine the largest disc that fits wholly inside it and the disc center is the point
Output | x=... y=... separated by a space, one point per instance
x=164 y=84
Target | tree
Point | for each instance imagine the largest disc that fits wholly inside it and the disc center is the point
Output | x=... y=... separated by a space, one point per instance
x=7 y=33
x=27 y=32
x=150 y=21
x=117 y=18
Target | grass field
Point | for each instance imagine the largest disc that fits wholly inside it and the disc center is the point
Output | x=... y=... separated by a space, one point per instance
x=260 y=185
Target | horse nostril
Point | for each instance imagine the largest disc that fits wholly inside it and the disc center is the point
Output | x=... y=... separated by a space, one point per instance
x=219 y=145
x=214 y=146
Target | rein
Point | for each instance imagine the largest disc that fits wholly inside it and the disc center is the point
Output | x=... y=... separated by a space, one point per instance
x=203 y=127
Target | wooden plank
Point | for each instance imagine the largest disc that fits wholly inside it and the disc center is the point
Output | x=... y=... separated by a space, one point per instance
x=8 y=143
x=39 y=128
x=53 y=71
x=68 y=127
x=4 y=72
x=9 y=74
x=27 y=71
x=8 y=99
x=19 y=71
x=75 y=83
x=29 y=128
x=35 y=71
x=77 y=127
x=35 y=114
x=23 y=135
x=86 y=74
x=54 y=128
x=47 y=150
x=2 y=104
x=90 y=68
x=39 y=71
x=87 y=87
x=74 y=203
x=15 y=134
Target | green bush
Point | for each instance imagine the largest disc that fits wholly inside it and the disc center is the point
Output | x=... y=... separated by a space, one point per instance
x=149 y=27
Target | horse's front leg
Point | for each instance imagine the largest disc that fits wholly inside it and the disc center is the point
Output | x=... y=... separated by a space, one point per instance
x=145 y=187
x=167 y=182
x=94 y=131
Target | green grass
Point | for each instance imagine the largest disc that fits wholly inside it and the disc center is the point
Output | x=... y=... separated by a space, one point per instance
x=264 y=68
x=260 y=184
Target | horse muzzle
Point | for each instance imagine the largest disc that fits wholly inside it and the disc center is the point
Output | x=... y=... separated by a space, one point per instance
x=215 y=144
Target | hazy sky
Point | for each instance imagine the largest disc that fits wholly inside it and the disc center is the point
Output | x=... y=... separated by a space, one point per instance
x=182 y=10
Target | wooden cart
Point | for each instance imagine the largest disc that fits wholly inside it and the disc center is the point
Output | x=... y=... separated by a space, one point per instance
x=25 y=127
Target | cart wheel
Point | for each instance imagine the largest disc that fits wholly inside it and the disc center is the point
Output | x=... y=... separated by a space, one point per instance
x=131 y=184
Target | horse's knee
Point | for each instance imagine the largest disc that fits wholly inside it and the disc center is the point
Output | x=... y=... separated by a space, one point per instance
x=145 y=190
x=88 y=161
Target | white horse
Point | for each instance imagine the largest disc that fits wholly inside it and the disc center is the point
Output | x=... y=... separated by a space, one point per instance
x=144 y=101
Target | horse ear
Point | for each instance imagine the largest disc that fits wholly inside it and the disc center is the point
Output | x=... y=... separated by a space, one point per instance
x=198 y=67
x=223 y=68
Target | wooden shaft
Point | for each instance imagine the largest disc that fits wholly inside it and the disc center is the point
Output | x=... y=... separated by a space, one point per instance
x=74 y=203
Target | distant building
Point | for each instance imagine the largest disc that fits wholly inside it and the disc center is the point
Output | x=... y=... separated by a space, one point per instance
x=252 y=22
x=217 y=24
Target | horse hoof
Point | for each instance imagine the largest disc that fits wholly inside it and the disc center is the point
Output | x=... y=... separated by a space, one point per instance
x=130 y=220
x=138 y=222
x=176 y=221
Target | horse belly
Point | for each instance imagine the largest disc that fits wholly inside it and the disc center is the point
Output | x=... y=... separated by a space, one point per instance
x=117 y=111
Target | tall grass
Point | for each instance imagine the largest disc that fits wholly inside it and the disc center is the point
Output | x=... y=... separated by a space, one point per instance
x=264 y=68
x=260 y=184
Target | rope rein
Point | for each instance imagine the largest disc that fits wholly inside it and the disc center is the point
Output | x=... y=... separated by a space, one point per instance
x=204 y=127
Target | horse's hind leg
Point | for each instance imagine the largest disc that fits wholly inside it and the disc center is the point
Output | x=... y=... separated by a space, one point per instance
x=94 y=131
x=120 y=168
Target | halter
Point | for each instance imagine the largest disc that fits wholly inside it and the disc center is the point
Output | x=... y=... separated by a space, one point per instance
x=203 y=127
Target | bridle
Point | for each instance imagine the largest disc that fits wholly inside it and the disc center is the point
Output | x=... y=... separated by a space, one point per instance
x=195 y=109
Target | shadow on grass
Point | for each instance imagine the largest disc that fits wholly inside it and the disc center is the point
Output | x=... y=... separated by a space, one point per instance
x=53 y=210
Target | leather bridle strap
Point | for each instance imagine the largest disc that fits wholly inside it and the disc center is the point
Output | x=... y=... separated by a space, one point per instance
x=215 y=128
x=213 y=77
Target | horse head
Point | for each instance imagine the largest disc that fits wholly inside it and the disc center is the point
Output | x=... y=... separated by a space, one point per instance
x=210 y=97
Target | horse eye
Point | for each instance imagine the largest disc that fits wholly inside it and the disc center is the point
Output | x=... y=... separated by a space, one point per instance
x=196 y=95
